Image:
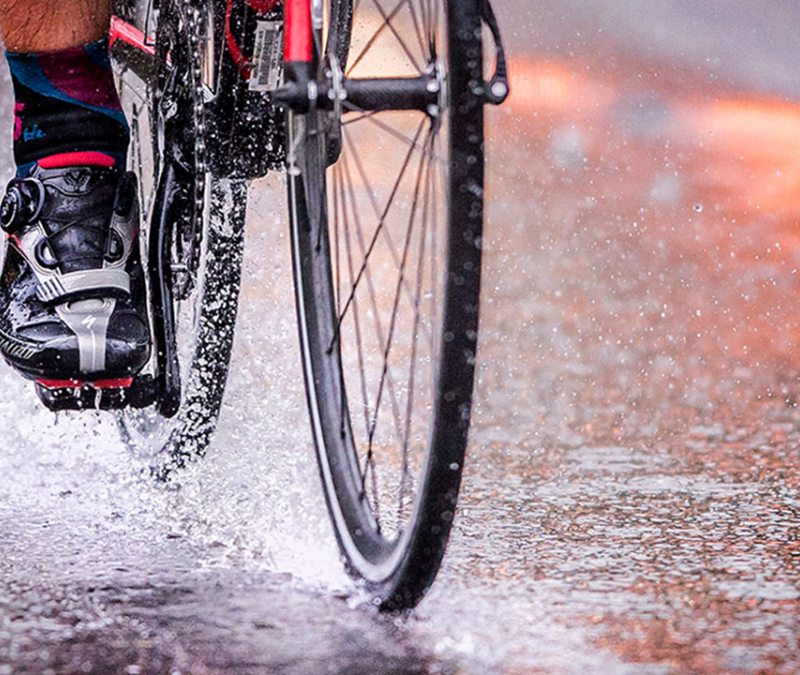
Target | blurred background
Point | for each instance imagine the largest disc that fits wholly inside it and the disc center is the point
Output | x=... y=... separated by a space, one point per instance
x=631 y=497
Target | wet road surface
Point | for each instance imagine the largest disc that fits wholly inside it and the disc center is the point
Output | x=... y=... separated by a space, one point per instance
x=631 y=503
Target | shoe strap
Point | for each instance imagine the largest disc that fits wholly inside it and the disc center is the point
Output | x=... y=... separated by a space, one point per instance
x=98 y=283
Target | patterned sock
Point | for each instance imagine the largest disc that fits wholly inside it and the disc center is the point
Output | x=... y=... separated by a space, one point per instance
x=66 y=105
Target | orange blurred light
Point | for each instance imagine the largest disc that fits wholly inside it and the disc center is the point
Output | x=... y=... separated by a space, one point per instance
x=756 y=148
x=552 y=86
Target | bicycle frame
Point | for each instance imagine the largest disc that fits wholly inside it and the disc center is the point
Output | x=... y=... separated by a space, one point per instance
x=298 y=14
x=311 y=79
x=211 y=73
x=302 y=18
x=307 y=86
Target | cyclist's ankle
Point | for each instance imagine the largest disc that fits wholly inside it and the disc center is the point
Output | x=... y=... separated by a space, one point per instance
x=66 y=105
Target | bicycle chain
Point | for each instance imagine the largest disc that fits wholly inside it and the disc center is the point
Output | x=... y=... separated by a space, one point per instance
x=185 y=24
x=200 y=160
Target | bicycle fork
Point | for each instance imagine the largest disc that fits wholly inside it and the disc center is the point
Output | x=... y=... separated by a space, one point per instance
x=327 y=88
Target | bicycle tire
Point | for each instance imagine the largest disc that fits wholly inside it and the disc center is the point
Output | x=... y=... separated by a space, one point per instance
x=205 y=311
x=168 y=443
x=394 y=557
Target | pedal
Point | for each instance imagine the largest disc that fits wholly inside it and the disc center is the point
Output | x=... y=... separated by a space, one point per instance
x=60 y=395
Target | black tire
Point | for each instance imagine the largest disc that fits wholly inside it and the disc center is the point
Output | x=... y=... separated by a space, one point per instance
x=206 y=322
x=394 y=555
x=204 y=220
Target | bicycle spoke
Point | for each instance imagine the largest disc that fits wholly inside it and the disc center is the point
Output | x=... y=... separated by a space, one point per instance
x=418 y=30
x=423 y=20
x=392 y=324
x=404 y=477
x=357 y=323
x=369 y=465
x=372 y=40
x=387 y=18
x=387 y=235
x=377 y=232
x=427 y=13
x=388 y=394
x=372 y=295
x=397 y=35
x=411 y=142
x=362 y=116
x=373 y=200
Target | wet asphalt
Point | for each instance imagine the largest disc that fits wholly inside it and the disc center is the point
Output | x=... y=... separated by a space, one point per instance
x=631 y=500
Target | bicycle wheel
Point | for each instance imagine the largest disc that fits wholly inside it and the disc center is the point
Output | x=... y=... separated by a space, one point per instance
x=194 y=229
x=387 y=257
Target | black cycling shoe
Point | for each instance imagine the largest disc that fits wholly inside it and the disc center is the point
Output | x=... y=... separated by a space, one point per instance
x=72 y=296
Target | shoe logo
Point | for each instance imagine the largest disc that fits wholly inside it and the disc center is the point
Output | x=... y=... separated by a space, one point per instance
x=15 y=349
x=89 y=321
x=33 y=133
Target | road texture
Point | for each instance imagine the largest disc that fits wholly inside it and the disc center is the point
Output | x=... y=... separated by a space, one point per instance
x=631 y=500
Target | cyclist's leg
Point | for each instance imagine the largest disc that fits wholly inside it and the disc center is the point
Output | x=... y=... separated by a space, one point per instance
x=49 y=25
x=71 y=293
x=65 y=100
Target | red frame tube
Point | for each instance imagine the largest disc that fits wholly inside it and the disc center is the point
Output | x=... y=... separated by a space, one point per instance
x=298 y=31
x=122 y=30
